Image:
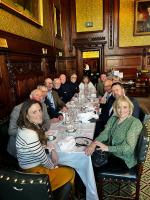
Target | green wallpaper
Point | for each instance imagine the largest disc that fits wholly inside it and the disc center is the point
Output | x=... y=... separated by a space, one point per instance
x=13 y=24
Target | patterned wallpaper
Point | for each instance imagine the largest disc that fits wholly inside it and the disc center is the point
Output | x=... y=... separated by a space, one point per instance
x=89 y=11
x=13 y=24
x=126 y=26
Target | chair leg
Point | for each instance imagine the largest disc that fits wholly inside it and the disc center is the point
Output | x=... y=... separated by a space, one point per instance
x=100 y=190
x=119 y=186
x=137 y=194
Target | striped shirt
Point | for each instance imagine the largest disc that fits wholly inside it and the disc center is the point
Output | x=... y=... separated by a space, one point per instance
x=30 y=152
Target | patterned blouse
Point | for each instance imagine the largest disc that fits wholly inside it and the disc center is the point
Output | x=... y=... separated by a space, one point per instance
x=122 y=138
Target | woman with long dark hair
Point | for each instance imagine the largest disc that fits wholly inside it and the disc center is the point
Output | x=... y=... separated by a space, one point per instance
x=31 y=152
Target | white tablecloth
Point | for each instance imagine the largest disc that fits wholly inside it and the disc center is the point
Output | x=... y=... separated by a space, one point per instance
x=76 y=158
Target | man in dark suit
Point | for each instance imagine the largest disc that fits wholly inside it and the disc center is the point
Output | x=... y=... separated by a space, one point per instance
x=106 y=103
x=107 y=111
x=64 y=90
x=73 y=85
x=53 y=102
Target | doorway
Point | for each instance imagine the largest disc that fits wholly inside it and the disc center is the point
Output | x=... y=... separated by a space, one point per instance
x=91 y=59
x=95 y=45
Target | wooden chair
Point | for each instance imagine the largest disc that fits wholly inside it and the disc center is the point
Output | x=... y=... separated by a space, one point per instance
x=126 y=176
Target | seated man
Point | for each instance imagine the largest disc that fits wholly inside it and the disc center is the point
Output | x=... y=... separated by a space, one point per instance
x=13 y=129
x=107 y=111
x=100 y=85
x=107 y=94
x=53 y=102
x=56 y=84
x=73 y=85
x=64 y=90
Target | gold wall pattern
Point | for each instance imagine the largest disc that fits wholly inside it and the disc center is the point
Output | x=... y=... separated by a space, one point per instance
x=87 y=11
x=13 y=24
x=126 y=26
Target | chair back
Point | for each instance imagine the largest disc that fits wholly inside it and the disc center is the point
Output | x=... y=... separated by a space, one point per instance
x=24 y=186
x=142 y=145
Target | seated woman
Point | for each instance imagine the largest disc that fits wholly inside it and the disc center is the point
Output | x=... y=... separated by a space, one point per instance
x=120 y=135
x=86 y=87
x=31 y=153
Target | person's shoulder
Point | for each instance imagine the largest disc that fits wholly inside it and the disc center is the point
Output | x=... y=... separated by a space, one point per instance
x=44 y=104
x=54 y=92
x=81 y=84
x=112 y=119
x=27 y=133
x=133 y=100
x=26 y=130
x=136 y=121
x=112 y=97
x=18 y=107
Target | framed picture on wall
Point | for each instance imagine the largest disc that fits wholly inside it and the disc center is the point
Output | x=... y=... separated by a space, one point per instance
x=29 y=10
x=142 y=17
x=57 y=23
x=148 y=60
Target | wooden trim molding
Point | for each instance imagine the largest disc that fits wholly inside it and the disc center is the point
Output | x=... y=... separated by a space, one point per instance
x=111 y=25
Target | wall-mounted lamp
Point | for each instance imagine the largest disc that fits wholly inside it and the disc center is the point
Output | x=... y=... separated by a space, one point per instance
x=60 y=54
x=88 y=24
x=44 y=51
x=3 y=43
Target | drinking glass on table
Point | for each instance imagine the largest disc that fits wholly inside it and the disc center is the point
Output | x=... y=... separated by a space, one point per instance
x=66 y=118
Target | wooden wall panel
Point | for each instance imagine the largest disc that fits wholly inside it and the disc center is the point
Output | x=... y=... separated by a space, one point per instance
x=5 y=95
x=132 y=61
x=123 y=61
x=22 y=68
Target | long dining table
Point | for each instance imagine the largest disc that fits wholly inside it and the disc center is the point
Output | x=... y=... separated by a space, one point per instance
x=76 y=157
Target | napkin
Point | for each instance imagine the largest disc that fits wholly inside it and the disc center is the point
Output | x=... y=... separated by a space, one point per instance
x=85 y=117
x=67 y=144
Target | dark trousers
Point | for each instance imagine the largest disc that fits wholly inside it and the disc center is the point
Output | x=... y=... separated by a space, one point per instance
x=113 y=163
x=63 y=192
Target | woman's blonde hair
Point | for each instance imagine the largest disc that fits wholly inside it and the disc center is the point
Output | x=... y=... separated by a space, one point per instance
x=121 y=99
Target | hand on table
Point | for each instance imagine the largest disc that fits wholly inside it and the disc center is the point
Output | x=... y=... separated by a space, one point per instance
x=54 y=120
x=64 y=109
x=90 y=149
x=60 y=117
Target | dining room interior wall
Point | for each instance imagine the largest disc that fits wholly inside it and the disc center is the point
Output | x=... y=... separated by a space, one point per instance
x=14 y=24
x=126 y=26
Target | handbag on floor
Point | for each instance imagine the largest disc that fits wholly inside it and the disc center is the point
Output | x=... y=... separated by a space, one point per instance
x=99 y=158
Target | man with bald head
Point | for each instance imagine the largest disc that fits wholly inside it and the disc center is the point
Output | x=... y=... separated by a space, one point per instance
x=53 y=102
x=13 y=129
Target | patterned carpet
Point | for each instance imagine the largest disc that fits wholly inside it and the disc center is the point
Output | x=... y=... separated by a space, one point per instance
x=127 y=190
